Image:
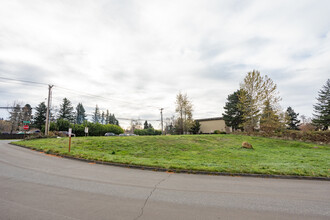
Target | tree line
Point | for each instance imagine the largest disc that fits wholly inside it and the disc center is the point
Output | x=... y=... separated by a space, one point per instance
x=60 y=122
x=255 y=107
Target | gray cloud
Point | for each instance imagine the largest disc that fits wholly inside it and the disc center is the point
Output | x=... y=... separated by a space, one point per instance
x=139 y=54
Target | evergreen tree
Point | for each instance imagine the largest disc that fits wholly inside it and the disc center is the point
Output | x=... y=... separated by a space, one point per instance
x=145 y=125
x=107 y=115
x=96 y=115
x=80 y=114
x=150 y=125
x=233 y=115
x=322 y=108
x=292 y=119
x=66 y=110
x=113 y=120
x=196 y=127
x=102 y=118
x=269 y=120
x=40 y=115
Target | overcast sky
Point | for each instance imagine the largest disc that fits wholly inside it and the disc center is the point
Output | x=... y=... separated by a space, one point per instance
x=137 y=55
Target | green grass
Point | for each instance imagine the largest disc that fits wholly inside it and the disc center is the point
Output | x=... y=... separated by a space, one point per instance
x=216 y=153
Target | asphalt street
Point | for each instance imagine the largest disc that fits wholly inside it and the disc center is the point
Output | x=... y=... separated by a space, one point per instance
x=35 y=185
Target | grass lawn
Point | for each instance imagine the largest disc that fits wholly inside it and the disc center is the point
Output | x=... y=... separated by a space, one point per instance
x=216 y=153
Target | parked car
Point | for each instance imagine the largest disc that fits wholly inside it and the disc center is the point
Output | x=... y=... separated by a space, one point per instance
x=127 y=134
x=124 y=134
x=110 y=134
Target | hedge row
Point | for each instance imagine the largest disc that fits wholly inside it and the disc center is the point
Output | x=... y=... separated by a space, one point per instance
x=322 y=137
x=79 y=130
x=149 y=131
x=96 y=129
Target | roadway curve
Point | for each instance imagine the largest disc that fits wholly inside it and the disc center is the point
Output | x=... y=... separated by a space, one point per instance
x=34 y=185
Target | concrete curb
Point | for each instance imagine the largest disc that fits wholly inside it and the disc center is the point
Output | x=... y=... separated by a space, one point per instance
x=159 y=169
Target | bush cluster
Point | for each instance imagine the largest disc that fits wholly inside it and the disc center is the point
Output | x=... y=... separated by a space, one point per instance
x=219 y=132
x=149 y=131
x=96 y=129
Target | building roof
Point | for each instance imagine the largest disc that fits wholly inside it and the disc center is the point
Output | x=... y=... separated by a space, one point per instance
x=210 y=119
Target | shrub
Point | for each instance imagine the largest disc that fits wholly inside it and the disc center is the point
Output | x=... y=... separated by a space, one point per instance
x=312 y=136
x=149 y=131
x=79 y=130
x=217 y=132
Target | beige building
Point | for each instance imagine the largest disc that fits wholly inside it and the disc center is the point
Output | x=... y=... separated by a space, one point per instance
x=209 y=125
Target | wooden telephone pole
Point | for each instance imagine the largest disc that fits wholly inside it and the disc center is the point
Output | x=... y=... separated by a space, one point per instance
x=48 y=108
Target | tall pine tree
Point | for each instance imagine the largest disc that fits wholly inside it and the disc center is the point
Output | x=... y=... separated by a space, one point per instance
x=322 y=108
x=233 y=115
x=40 y=115
x=80 y=114
x=145 y=125
x=102 y=118
x=66 y=110
x=96 y=115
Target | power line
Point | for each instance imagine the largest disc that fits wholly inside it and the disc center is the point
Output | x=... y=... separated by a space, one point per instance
x=101 y=97
x=23 y=81
x=78 y=92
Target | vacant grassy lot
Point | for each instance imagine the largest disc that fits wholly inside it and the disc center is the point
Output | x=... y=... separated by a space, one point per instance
x=218 y=153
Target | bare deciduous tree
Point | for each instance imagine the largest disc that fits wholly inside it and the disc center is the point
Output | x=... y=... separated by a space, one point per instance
x=184 y=110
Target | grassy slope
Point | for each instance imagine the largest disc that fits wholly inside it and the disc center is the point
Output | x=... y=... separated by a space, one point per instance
x=219 y=153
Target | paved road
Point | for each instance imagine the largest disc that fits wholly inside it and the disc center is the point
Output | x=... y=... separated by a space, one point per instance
x=34 y=185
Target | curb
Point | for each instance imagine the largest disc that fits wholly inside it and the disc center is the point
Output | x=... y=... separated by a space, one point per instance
x=159 y=169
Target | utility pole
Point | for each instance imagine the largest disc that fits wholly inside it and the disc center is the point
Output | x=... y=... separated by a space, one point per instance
x=48 y=109
x=161 y=119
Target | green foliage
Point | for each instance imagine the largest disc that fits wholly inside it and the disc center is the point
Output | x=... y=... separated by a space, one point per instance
x=233 y=115
x=66 y=110
x=322 y=108
x=79 y=129
x=96 y=115
x=102 y=120
x=111 y=119
x=40 y=115
x=80 y=115
x=97 y=129
x=148 y=131
x=269 y=121
x=62 y=125
x=258 y=94
x=308 y=136
x=292 y=119
x=145 y=125
x=52 y=127
x=195 y=127
x=217 y=153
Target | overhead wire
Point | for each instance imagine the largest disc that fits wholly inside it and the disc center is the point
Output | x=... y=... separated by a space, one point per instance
x=79 y=93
